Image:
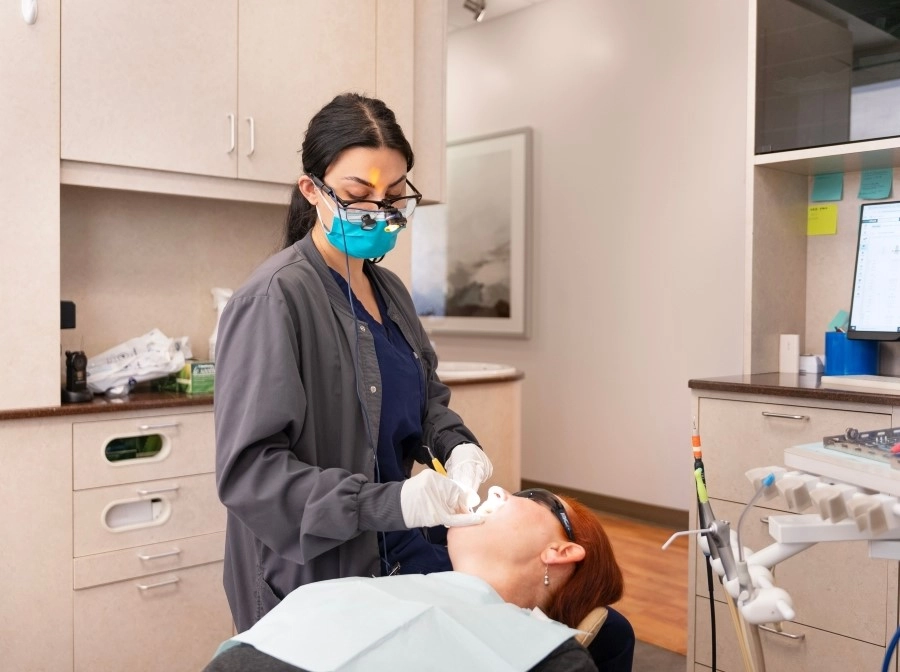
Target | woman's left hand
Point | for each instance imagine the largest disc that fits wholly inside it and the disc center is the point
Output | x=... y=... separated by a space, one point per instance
x=469 y=466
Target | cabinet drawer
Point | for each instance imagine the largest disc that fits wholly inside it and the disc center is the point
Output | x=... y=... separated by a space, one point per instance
x=182 y=443
x=183 y=507
x=852 y=600
x=817 y=651
x=95 y=570
x=741 y=435
x=175 y=622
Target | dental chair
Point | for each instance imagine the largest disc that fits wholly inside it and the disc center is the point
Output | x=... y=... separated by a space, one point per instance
x=609 y=638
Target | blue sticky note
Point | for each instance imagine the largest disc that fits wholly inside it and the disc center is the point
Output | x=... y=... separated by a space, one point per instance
x=876 y=184
x=828 y=187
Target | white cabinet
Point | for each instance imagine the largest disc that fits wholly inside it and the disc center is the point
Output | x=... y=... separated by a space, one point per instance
x=137 y=591
x=845 y=602
x=150 y=84
x=227 y=88
x=740 y=435
x=29 y=194
x=208 y=87
x=148 y=542
x=175 y=621
x=295 y=56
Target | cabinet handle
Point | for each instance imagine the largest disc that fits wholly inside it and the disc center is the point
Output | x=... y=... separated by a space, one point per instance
x=785 y=415
x=764 y=520
x=233 y=134
x=171 y=488
x=165 y=554
x=148 y=586
x=252 y=136
x=165 y=425
x=782 y=633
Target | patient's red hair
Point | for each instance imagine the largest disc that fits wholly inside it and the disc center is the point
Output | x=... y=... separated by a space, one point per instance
x=597 y=580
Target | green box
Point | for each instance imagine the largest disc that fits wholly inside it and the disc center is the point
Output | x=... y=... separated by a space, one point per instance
x=197 y=377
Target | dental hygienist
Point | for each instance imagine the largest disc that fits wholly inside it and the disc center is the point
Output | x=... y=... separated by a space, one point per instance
x=326 y=390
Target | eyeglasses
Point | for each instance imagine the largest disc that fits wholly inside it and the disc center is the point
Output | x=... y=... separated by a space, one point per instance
x=396 y=209
x=552 y=502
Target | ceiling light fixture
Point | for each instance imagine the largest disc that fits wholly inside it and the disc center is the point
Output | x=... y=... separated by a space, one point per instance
x=477 y=7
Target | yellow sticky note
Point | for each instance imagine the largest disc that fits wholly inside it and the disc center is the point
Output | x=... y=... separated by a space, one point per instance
x=821 y=220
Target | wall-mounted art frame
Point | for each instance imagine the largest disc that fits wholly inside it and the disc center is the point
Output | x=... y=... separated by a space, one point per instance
x=470 y=257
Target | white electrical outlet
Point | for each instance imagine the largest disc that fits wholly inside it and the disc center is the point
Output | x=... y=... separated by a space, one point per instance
x=789 y=354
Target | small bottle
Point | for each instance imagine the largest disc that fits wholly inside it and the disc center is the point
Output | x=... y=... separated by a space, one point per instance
x=220 y=299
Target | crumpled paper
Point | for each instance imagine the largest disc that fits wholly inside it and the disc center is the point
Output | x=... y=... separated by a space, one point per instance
x=153 y=355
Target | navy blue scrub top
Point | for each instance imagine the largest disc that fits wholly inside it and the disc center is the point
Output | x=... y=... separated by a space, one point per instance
x=400 y=434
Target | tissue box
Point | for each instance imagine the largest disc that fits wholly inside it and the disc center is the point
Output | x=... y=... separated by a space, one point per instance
x=197 y=377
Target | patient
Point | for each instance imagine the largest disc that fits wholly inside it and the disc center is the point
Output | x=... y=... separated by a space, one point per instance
x=534 y=550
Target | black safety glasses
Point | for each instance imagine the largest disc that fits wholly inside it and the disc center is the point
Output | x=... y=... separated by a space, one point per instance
x=549 y=500
x=361 y=211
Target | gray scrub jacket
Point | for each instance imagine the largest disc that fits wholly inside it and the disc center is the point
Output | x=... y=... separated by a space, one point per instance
x=295 y=461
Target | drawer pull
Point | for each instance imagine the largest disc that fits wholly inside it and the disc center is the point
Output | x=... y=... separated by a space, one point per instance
x=785 y=415
x=149 y=586
x=146 y=493
x=764 y=520
x=156 y=556
x=782 y=633
x=163 y=425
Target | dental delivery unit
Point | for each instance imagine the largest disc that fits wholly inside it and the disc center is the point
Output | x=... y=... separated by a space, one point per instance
x=852 y=484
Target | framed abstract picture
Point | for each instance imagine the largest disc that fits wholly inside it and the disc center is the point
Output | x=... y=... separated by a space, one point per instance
x=470 y=255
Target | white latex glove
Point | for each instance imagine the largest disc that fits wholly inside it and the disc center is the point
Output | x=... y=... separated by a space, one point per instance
x=470 y=467
x=429 y=499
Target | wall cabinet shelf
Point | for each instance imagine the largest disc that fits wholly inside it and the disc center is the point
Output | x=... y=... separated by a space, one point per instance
x=836 y=158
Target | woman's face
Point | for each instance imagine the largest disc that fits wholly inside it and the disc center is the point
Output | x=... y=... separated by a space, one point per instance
x=363 y=172
x=516 y=527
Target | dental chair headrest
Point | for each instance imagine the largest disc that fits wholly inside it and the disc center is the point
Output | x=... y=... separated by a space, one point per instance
x=590 y=625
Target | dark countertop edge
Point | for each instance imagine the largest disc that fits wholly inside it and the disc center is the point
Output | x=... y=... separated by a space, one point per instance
x=518 y=375
x=757 y=384
x=139 y=401
x=134 y=402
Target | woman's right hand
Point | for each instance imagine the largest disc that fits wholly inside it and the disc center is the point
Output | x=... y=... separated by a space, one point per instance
x=428 y=499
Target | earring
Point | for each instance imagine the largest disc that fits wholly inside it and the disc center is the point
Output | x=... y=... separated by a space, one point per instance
x=546 y=575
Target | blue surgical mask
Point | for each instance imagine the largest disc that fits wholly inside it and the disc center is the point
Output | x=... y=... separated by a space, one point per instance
x=352 y=239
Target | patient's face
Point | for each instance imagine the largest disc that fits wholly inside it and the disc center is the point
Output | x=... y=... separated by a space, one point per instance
x=515 y=527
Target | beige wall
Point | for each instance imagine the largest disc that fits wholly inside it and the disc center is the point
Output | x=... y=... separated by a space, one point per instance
x=639 y=115
x=132 y=262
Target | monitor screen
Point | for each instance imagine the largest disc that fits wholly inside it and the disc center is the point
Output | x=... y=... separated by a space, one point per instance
x=875 y=305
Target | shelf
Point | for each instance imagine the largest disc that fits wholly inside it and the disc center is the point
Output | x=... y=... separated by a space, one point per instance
x=83 y=174
x=856 y=156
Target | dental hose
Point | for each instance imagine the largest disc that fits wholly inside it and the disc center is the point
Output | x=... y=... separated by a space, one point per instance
x=703 y=511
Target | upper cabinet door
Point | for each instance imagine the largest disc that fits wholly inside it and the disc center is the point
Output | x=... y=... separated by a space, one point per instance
x=151 y=84
x=294 y=58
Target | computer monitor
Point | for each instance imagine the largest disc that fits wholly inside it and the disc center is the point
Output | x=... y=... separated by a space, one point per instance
x=875 y=305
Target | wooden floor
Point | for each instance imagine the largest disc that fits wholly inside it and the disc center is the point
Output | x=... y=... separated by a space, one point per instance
x=655 y=598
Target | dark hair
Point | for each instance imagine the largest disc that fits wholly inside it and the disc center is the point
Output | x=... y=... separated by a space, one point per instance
x=350 y=120
x=597 y=580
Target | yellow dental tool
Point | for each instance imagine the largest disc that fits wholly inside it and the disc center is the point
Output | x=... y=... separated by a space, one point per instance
x=436 y=463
